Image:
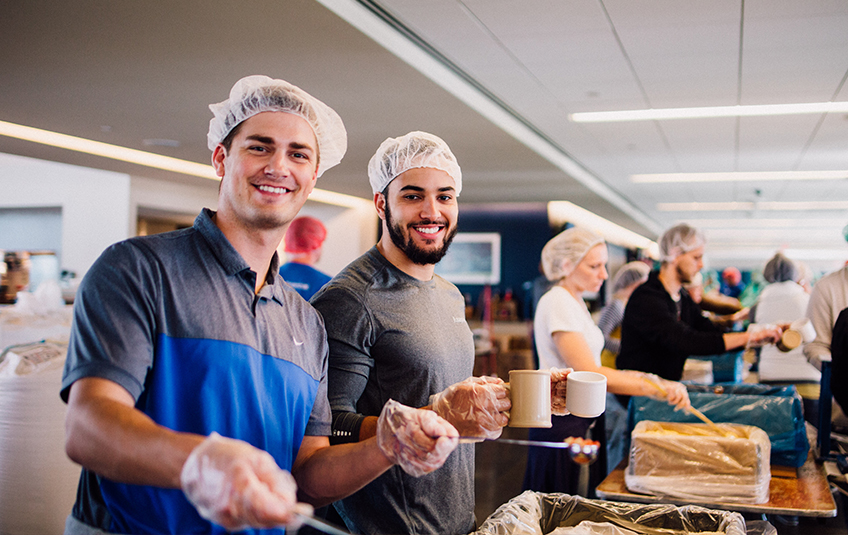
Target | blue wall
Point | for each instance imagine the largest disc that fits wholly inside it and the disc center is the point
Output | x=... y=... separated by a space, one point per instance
x=524 y=231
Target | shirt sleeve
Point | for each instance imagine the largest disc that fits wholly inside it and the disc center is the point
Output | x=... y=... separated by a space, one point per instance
x=350 y=337
x=820 y=312
x=114 y=324
x=611 y=317
x=651 y=317
x=563 y=314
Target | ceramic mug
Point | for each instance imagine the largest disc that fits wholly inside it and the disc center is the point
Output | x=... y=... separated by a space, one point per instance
x=805 y=327
x=530 y=394
x=587 y=394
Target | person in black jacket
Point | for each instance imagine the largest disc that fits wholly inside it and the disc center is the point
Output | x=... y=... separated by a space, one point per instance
x=662 y=324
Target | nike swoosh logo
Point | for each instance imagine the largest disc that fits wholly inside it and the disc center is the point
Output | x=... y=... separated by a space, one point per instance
x=296 y=342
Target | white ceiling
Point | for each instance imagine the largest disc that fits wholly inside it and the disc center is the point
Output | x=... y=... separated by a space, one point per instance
x=126 y=72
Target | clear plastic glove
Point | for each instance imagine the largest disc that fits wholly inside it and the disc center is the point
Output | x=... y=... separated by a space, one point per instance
x=558 y=390
x=678 y=395
x=671 y=391
x=760 y=334
x=417 y=440
x=475 y=407
x=237 y=486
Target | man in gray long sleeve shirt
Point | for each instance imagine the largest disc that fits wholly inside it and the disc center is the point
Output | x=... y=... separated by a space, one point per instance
x=396 y=330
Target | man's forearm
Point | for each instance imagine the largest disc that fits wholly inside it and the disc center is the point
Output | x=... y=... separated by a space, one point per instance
x=331 y=473
x=107 y=435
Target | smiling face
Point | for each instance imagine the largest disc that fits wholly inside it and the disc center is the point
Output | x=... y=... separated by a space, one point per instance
x=591 y=272
x=419 y=215
x=268 y=172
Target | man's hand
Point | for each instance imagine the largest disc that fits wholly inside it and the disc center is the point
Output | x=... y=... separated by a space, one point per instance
x=418 y=440
x=476 y=407
x=760 y=334
x=236 y=485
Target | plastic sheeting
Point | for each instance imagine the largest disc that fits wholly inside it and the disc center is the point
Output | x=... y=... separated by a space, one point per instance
x=729 y=463
x=37 y=480
x=534 y=513
x=777 y=410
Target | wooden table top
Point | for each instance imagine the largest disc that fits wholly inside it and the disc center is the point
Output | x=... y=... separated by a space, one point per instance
x=807 y=495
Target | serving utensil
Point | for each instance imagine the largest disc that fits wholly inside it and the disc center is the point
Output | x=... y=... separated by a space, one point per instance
x=691 y=410
x=321 y=525
x=580 y=451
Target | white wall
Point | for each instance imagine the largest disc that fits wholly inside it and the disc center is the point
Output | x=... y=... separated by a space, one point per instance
x=94 y=203
x=101 y=207
x=350 y=232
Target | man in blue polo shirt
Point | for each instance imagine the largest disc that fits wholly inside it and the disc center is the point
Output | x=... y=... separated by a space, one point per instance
x=196 y=378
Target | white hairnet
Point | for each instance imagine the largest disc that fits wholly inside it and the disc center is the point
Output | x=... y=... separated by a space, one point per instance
x=414 y=150
x=629 y=274
x=257 y=94
x=678 y=240
x=780 y=269
x=564 y=251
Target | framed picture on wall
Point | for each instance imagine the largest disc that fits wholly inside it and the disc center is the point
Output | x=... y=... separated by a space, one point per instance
x=473 y=258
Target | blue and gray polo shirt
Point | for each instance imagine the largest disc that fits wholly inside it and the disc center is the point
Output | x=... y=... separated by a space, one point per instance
x=173 y=318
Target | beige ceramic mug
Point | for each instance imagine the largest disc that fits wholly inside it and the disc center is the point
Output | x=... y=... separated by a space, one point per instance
x=530 y=394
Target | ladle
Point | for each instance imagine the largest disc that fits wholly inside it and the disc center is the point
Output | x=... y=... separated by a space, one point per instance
x=580 y=450
x=693 y=411
x=321 y=525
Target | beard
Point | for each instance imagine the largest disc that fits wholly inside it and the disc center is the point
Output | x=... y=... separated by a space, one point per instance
x=412 y=251
x=683 y=277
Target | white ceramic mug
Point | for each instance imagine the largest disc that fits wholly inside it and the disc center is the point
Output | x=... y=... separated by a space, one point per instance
x=530 y=394
x=586 y=396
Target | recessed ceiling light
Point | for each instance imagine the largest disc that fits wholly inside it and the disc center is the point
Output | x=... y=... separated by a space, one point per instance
x=661 y=114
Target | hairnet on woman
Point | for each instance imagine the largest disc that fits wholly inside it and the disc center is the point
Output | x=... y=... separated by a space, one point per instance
x=566 y=337
x=780 y=269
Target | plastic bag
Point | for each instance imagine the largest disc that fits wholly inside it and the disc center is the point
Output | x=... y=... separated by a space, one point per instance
x=777 y=410
x=536 y=513
x=727 y=464
x=27 y=359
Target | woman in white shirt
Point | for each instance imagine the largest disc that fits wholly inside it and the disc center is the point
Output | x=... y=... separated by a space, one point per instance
x=566 y=336
x=784 y=300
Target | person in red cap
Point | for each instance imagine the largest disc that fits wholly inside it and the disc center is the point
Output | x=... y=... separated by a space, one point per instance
x=304 y=242
x=731 y=282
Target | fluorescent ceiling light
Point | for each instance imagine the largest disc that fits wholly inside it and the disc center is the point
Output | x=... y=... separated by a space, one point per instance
x=564 y=211
x=752 y=176
x=708 y=112
x=749 y=223
x=765 y=252
x=147 y=159
x=339 y=199
x=78 y=144
x=748 y=206
x=358 y=15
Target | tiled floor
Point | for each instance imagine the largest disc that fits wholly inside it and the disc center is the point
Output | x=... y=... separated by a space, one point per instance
x=500 y=470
